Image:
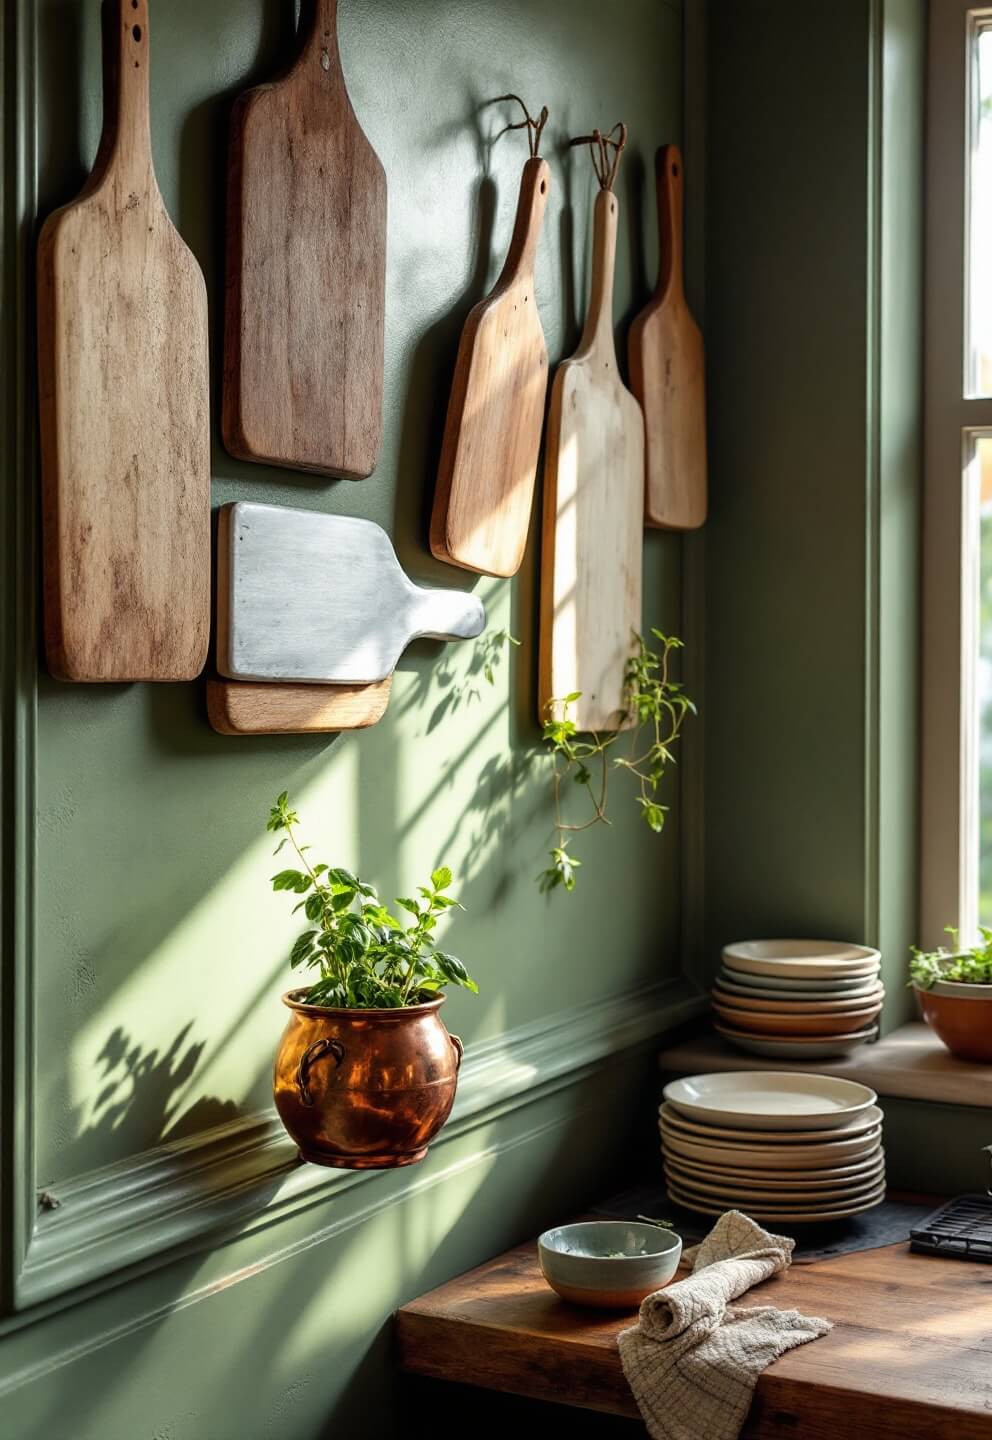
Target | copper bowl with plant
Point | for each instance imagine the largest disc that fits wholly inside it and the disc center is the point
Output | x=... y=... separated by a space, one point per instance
x=366 y=1072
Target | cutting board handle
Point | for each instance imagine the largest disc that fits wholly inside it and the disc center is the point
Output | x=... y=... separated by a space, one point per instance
x=125 y=144
x=598 y=332
x=669 y=178
x=320 y=55
x=447 y=615
x=535 y=184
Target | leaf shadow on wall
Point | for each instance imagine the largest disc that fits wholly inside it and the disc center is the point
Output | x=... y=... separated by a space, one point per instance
x=139 y=1100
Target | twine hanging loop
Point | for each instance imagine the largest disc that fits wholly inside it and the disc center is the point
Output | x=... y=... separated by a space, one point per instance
x=528 y=123
x=605 y=151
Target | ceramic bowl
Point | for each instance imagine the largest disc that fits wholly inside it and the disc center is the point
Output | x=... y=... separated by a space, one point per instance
x=961 y=1016
x=608 y=1263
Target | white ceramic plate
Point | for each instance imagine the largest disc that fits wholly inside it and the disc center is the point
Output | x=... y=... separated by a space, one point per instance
x=795 y=1179
x=838 y=988
x=769 y=1100
x=787 y=1217
x=774 y=1049
x=821 y=959
x=769 y=1001
x=731 y=1194
x=773 y=1157
x=679 y=1124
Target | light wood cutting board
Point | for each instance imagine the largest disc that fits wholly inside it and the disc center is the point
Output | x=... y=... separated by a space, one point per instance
x=306 y=271
x=593 y=511
x=123 y=382
x=321 y=599
x=237 y=707
x=667 y=372
x=492 y=438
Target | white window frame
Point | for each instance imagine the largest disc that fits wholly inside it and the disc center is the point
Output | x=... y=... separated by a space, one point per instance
x=949 y=808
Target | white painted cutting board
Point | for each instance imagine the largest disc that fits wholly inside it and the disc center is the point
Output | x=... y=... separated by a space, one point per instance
x=303 y=596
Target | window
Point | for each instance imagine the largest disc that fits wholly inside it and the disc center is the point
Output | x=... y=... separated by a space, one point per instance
x=956 y=880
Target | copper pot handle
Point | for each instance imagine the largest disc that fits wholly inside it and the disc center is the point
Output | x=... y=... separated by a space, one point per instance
x=313 y=1052
x=459 y=1045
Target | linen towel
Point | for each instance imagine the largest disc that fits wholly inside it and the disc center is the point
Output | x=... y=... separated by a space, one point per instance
x=693 y=1359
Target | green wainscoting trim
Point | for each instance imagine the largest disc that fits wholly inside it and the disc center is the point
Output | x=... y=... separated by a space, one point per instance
x=232 y=1179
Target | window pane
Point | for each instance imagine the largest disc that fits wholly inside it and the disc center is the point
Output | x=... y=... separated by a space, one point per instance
x=979 y=340
x=983 y=678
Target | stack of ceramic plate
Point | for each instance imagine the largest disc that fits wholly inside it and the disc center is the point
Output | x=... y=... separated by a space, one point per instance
x=798 y=999
x=781 y=1147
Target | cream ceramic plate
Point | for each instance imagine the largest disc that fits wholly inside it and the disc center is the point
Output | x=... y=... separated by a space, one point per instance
x=774 y=1157
x=769 y=1100
x=801 y=959
x=829 y=988
x=767 y=1001
x=800 y=1025
x=731 y=1194
x=805 y=1179
x=787 y=1217
x=822 y=1048
x=678 y=1124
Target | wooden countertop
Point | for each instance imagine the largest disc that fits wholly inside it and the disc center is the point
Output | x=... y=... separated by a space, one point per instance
x=909 y=1358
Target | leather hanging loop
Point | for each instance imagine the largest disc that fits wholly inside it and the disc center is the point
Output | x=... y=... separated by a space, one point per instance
x=528 y=123
x=605 y=151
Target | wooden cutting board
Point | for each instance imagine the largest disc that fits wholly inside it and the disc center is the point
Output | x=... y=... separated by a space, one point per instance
x=321 y=599
x=667 y=372
x=593 y=511
x=306 y=271
x=123 y=383
x=492 y=439
x=236 y=707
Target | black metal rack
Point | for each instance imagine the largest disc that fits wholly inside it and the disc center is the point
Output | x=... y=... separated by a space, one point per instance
x=961 y=1229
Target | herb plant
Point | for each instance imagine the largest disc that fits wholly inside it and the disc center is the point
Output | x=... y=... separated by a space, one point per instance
x=659 y=705
x=970 y=967
x=363 y=955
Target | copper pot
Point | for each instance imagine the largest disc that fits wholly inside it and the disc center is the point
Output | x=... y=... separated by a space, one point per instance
x=365 y=1089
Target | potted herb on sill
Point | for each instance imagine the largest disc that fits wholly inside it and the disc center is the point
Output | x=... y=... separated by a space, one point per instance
x=366 y=1072
x=955 y=993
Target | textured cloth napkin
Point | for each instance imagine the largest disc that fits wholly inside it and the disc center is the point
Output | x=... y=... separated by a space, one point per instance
x=693 y=1359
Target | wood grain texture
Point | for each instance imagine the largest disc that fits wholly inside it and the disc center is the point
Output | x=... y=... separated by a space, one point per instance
x=492 y=437
x=124 y=400
x=306 y=271
x=667 y=372
x=910 y=1357
x=593 y=512
x=242 y=708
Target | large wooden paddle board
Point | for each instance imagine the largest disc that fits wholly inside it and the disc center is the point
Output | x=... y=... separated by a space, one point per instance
x=667 y=372
x=125 y=430
x=306 y=270
x=593 y=512
x=492 y=439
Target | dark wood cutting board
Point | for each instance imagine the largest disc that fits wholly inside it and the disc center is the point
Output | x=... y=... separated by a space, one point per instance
x=123 y=382
x=306 y=271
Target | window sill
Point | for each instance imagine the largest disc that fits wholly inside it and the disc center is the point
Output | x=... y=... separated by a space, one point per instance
x=910 y=1063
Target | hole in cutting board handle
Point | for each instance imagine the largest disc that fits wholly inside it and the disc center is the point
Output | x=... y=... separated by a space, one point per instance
x=544 y=186
x=136 y=33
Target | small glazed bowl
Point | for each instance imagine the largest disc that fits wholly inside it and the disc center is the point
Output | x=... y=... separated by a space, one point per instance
x=613 y=1264
x=961 y=1016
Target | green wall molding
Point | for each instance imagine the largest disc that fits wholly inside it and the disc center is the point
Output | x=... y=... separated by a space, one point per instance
x=230 y=1180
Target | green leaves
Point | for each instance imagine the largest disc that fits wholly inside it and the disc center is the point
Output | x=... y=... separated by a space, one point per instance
x=967 y=967
x=293 y=880
x=658 y=705
x=364 y=955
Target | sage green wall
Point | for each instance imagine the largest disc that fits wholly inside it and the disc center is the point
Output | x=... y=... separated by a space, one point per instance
x=165 y=957
x=814 y=331
x=159 y=955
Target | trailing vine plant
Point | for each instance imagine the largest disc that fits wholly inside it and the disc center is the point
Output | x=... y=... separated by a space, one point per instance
x=658 y=706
